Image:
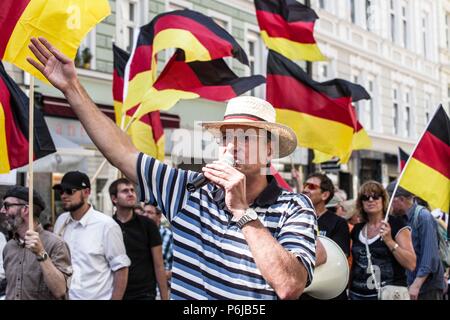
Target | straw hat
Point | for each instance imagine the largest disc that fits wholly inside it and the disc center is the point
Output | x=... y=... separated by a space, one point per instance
x=257 y=113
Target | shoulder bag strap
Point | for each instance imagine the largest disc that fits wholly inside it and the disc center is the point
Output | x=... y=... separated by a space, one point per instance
x=369 y=260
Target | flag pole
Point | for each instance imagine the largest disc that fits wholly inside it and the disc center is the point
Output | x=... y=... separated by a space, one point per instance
x=30 y=154
x=406 y=165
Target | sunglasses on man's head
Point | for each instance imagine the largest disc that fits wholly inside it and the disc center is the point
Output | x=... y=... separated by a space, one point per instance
x=366 y=197
x=311 y=186
x=68 y=191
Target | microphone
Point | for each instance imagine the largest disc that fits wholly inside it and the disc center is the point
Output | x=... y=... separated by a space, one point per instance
x=201 y=180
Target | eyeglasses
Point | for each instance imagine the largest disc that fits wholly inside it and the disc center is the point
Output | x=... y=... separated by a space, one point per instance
x=7 y=205
x=311 y=186
x=366 y=197
x=68 y=191
x=231 y=138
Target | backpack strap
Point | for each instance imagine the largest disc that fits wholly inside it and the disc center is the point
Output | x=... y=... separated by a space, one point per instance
x=415 y=217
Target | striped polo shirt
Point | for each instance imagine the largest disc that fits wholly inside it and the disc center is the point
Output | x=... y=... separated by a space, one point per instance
x=211 y=258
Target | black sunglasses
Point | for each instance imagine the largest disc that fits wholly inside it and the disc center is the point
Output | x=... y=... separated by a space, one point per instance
x=365 y=197
x=7 y=205
x=68 y=191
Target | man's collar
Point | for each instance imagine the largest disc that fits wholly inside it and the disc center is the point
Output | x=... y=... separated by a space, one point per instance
x=411 y=210
x=270 y=194
x=85 y=219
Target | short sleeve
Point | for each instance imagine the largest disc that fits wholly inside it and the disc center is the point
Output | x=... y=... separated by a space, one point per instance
x=298 y=234
x=153 y=234
x=397 y=224
x=161 y=185
x=60 y=256
x=115 y=248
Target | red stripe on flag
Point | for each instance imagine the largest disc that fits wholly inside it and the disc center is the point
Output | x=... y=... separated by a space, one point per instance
x=276 y=26
x=179 y=76
x=300 y=98
x=10 y=13
x=118 y=83
x=281 y=182
x=15 y=139
x=434 y=153
x=217 y=46
x=141 y=60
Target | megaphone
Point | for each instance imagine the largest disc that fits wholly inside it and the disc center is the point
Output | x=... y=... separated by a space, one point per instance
x=331 y=278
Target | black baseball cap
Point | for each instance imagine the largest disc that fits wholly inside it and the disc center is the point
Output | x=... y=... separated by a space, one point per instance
x=73 y=180
x=400 y=192
x=20 y=192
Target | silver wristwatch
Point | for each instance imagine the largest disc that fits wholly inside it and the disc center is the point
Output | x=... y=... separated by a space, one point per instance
x=249 y=215
x=42 y=256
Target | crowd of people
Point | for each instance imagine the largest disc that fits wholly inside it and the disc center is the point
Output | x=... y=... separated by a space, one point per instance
x=239 y=236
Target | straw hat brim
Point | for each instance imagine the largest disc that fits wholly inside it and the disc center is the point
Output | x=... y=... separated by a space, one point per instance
x=287 y=137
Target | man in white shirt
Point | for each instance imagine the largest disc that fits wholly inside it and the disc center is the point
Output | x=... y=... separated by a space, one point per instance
x=99 y=260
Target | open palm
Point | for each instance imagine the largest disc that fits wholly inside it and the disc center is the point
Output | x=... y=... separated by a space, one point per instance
x=56 y=67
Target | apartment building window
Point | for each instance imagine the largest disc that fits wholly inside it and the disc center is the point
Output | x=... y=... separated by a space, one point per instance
x=448 y=96
x=371 y=103
x=353 y=11
x=355 y=79
x=427 y=107
x=86 y=53
x=395 y=116
x=131 y=14
x=322 y=4
x=392 y=20
x=425 y=45
x=447 y=31
x=404 y=23
x=370 y=16
x=407 y=118
x=256 y=53
x=408 y=121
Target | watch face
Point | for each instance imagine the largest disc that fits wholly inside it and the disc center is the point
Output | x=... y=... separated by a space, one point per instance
x=252 y=214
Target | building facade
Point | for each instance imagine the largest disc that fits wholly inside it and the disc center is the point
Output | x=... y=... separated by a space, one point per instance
x=397 y=49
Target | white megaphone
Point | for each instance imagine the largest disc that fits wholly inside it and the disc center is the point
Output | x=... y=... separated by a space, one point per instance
x=331 y=278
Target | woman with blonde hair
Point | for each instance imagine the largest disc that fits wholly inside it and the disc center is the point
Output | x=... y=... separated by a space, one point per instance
x=390 y=245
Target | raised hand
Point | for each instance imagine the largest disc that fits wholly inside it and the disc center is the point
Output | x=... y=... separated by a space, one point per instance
x=56 y=67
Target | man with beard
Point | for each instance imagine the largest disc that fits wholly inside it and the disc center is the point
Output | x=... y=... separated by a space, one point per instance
x=100 y=263
x=37 y=262
x=143 y=245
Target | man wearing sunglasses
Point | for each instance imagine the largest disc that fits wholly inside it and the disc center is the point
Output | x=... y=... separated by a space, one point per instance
x=320 y=189
x=100 y=263
x=37 y=262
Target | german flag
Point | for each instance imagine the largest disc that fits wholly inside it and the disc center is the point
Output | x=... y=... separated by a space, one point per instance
x=200 y=38
x=147 y=133
x=320 y=113
x=402 y=159
x=212 y=80
x=427 y=172
x=14 y=127
x=287 y=27
x=361 y=140
x=63 y=22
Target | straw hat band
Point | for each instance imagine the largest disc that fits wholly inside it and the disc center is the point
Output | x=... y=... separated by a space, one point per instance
x=243 y=116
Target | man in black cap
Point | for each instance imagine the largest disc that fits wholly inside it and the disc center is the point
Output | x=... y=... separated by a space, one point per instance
x=426 y=282
x=37 y=262
x=100 y=262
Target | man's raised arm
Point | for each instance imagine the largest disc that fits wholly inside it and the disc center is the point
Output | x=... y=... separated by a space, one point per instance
x=60 y=71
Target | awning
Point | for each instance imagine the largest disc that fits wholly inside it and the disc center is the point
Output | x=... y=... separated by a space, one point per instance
x=69 y=156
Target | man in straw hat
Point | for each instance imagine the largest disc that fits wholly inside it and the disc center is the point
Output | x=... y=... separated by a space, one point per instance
x=256 y=242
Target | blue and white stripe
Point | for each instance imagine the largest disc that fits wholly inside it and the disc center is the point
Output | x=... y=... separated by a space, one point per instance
x=211 y=259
